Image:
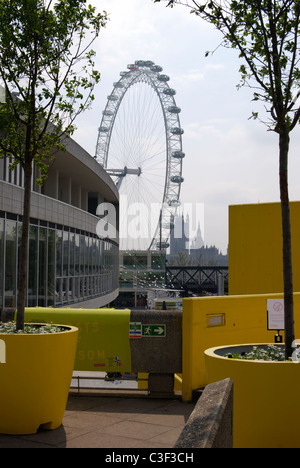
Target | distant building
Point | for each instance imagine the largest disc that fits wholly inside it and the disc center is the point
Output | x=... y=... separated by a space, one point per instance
x=179 y=238
x=208 y=256
x=198 y=242
x=192 y=252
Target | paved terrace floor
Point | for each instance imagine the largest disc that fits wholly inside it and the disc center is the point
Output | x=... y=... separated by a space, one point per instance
x=111 y=422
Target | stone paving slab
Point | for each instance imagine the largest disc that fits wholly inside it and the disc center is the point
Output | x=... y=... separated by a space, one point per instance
x=106 y=422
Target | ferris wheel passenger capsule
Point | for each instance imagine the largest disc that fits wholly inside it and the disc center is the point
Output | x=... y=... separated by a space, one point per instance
x=112 y=97
x=156 y=68
x=177 y=179
x=174 y=110
x=178 y=155
x=164 y=78
x=108 y=113
x=162 y=245
x=177 y=131
x=131 y=67
x=119 y=85
x=169 y=92
x=174 y=203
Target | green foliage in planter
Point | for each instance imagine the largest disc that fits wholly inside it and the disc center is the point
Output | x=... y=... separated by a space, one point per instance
x=261 y=353
x=11 y=329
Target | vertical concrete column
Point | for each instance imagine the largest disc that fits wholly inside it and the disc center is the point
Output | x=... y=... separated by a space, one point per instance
x=84 y=200
x=65 y=189
x=51 y=184
x=76 y=195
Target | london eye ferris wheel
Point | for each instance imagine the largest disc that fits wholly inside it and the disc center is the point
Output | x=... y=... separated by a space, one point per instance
x=140 y=144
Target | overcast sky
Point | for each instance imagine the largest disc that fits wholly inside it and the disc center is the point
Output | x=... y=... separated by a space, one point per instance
x=229 y=159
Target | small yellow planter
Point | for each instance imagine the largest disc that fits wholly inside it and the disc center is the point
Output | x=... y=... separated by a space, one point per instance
x=266 y=410
x=35 y=376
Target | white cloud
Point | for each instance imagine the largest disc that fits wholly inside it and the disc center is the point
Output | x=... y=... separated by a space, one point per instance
x=214 y=66
x=194 y=76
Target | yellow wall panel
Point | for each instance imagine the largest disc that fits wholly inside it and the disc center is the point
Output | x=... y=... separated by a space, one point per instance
x=255 y=248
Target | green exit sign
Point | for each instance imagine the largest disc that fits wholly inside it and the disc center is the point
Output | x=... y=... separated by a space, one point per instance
x=137 y=330
x=154 y=331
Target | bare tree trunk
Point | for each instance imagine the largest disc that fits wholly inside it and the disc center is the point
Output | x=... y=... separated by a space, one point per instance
x=23 y=260
x=284 y=142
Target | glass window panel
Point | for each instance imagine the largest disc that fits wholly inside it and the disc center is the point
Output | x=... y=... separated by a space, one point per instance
x=158 y=262
x=71 y=289
x=65 y=289
x=1 y=260
x=19 y=236
x=66 y=254
x=141 y=261
x=77 y=254
x=59 y=292
x=58 y=253
x=128 y=261
x=94 y=255
x=135 y=261
x=72 y=254
x=10 y=263
x=42 y=282
x=86 y=268
x=51 y=267
x=91 y=293
x=101 y=253
x=126 y=279
x=32 y=266
x=82 y=287
x=82 y=254
x=76 y=289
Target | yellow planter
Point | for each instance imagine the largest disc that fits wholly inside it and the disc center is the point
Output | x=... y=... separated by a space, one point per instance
x=266 y=410
x=35 y=376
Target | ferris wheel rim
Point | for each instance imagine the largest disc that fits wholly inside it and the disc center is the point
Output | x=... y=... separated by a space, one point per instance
x=150 y=74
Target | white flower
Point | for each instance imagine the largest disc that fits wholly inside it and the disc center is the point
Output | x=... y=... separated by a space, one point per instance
x=266 y=353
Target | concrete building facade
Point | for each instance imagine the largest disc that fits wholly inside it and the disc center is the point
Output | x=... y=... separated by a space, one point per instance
x=69 y=264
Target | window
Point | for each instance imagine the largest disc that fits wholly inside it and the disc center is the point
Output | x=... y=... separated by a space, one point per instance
x=1 y=260
x=64 y=267
x=58 y=253
x=135 y=261
x=66 y=253
x=158 y=261
x=51 y=268
x=32 y=267
x=42 y=278
x=10 y=263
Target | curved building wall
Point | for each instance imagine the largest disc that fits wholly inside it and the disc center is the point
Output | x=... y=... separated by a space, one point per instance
x=68 y=263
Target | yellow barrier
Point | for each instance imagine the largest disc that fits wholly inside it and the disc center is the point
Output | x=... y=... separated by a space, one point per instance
x=266 y=406
x=103 y=342
x=216 y=321
x=35 y=380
